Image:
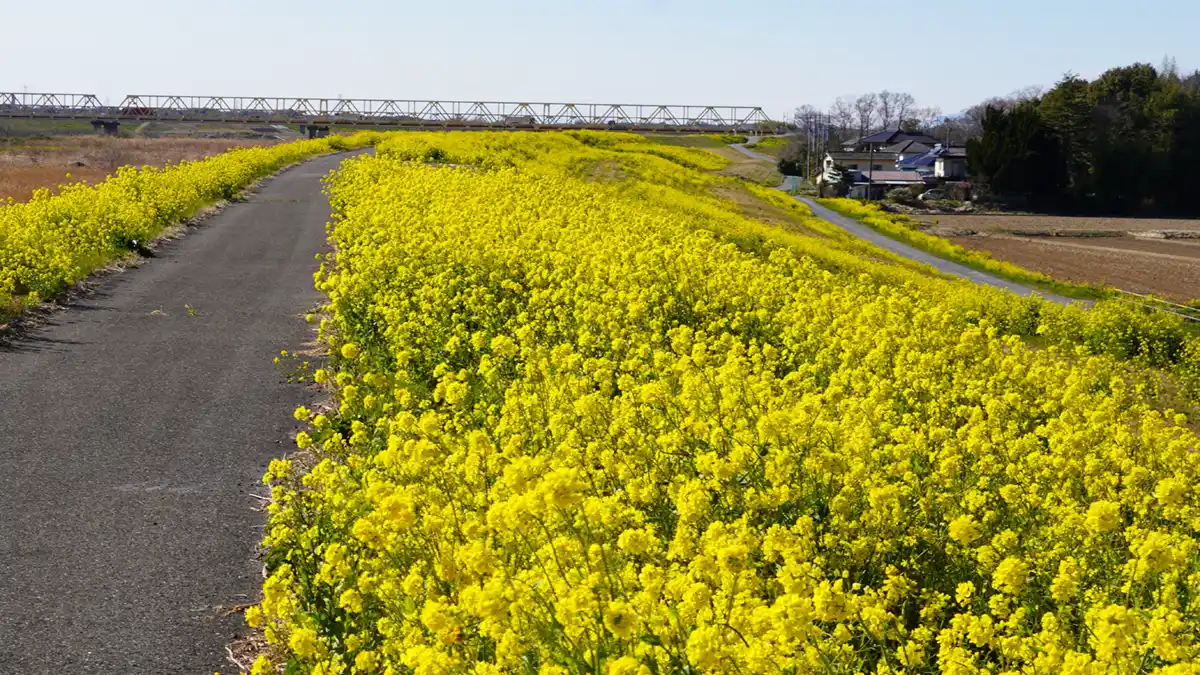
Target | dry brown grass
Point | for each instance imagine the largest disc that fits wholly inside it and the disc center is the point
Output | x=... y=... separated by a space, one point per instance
x=752 y=206
x=52 y=162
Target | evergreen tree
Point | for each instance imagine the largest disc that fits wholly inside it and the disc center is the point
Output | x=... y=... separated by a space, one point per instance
x=1126 y=142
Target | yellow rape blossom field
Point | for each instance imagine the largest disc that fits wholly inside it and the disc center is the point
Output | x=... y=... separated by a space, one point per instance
x=55 y=240
x=588 y=417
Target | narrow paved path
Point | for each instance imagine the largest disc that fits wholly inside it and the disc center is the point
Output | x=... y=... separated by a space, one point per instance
x=131 y=435
x=912 y=253
x=941 y=264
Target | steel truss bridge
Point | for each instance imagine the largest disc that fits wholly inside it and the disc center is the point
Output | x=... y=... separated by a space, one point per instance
x=396 y=113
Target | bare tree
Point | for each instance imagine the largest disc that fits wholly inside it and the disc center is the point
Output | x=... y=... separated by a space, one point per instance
x=803 y=114
x=887 y=107
x=841 y=114
x=1028 y=93
x=904 y=104
x=864 y=108
x=921 y=119
x=806 y=148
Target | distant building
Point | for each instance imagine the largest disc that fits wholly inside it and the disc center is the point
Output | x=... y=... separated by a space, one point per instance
x=881 y=141
x=861 y=161
x=876 y=184
x=938 y=162
x=906 y=149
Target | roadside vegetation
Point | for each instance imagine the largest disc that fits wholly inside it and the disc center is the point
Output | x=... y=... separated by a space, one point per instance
x=54 y=240
x=31 y=164
x=588 y=416
x=772 y=146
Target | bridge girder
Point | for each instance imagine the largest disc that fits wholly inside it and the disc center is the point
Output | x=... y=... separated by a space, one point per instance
x=401 y=113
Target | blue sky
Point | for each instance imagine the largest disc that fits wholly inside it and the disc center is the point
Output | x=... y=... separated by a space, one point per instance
x=771 y=53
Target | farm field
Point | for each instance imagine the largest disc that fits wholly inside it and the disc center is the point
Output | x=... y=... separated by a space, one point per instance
x=1049 y=225
x=1141 y=255
x=31 y=164
x=589 y=415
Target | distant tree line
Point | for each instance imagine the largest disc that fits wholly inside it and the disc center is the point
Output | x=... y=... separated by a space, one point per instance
x=851 y=117
x=1126 y=142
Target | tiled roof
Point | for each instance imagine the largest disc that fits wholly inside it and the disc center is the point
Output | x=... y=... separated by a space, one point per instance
x=929 y=157
x=907 y=147
x=897 y=136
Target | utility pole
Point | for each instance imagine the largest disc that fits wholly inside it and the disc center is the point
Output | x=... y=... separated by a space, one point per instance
x=811 y=140
x=870 y=169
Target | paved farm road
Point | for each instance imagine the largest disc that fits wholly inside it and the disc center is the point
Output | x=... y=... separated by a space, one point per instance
x=900 y=248
x=129 y=442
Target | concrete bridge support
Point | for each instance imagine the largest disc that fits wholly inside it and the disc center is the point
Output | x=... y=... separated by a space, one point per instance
x=314 y=131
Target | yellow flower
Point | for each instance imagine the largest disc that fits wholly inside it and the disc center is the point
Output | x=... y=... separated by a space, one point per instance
x=620 y=619
x=1103 y=516
x=636 y=541
x=304 y=642
x=350 y=351
x=964 y=592
x=366 y=661
x=262 y=666
x=611 y=393
x=1010 y=575
x=964 y=530
x=253 y=616
x=1170 y=491
x=351 y=600
x=1066 y=583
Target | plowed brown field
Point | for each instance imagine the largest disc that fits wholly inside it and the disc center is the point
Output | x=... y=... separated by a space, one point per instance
x=1143 y=255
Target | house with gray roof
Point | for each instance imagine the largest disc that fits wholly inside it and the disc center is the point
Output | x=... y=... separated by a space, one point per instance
x=882 y=140
x=939 y=162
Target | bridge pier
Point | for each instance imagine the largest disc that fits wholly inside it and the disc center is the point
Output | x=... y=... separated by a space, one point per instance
x=106 y=127
x=314 y=132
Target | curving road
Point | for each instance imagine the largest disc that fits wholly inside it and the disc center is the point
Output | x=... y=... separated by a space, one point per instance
x=132 y=434
x=912 y=253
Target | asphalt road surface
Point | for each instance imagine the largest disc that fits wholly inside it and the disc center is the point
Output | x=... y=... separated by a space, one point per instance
x=132 y=433
x=912 y=253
